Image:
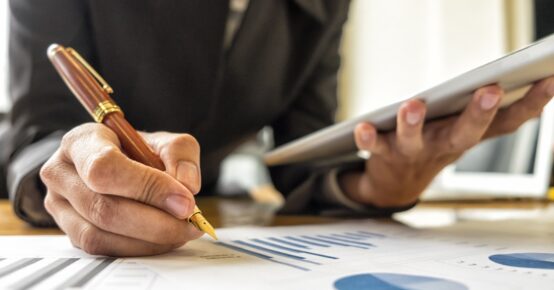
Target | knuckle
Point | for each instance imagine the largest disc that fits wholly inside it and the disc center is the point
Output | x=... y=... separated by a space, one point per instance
x=77 y=133
x=46 y=172
x=101 y=210
x=69 y=137
x=151 y=185
x=456 y=145
x=409 y=155
x=89 y=240
x=49 y=171
x=184 y=141
x=99 y=169
x=49 y=203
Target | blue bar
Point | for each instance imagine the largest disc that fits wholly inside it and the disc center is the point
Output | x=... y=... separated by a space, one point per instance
x=333 y=242
x=347 y=241
x=278 y=253
x=372 y=234
x=362 y=237
x=258 y=255
x=245 y=251
x=287 y=243
x=349 y=237
x=291 y=249
x=308 y=242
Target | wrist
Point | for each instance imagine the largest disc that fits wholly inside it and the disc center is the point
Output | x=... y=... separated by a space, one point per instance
x=358 y=186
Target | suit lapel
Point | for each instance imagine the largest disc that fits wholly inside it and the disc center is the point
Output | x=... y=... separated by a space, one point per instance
x=195 y=50
x=315 y=8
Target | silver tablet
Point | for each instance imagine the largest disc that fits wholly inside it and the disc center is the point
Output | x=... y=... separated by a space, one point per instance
x=513 y=72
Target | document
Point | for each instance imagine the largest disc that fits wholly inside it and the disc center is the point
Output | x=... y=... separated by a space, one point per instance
x=363 y=254
x=51 y=262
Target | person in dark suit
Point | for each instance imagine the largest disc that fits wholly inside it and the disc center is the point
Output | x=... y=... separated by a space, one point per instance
x=218 y=71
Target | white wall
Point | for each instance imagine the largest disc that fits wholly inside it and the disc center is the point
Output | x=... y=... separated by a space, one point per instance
x=395 y=48
x=3 y=54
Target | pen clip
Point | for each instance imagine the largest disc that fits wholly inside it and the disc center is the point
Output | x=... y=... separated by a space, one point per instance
x=105 y=86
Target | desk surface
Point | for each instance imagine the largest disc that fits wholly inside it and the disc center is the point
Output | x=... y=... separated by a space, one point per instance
x=224 y=212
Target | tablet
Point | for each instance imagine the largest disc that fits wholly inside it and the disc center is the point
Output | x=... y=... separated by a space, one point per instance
x=514 y=72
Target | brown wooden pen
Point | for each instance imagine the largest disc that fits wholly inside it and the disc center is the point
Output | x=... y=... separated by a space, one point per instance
x=93 y=92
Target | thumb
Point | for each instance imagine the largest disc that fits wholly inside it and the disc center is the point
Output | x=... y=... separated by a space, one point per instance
x=180 y=154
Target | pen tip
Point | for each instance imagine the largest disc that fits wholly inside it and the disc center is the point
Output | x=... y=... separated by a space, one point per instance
x=208 y=229
x=212 y=234
x=200 y=222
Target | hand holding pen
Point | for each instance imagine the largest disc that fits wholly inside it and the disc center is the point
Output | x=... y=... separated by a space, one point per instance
x=106 y=202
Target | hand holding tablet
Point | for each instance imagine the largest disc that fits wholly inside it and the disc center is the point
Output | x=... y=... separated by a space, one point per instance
x=412 y=141
x=513 y=73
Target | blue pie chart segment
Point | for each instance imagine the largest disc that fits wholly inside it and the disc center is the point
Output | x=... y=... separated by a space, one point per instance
x=526 y=260
x=391 y=281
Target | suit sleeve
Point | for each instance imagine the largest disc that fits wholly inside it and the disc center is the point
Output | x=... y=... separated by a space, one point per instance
x=310 y=189
x=42 y=107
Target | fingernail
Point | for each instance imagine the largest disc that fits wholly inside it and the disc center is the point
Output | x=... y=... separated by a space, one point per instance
x=489 y=101
x=366 y=136
x=187 y=172
x=177 y=205
x=413 y=118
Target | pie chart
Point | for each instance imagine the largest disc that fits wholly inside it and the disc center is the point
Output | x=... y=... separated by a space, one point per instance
x=525 y=260
x=392 y=281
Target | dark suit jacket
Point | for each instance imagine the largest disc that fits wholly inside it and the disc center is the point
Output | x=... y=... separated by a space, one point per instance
x=166 y=63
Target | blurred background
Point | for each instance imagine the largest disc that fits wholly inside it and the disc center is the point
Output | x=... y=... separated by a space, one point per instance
x=395 y=48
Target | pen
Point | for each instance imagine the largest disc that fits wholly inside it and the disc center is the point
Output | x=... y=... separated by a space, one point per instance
x=93 y=93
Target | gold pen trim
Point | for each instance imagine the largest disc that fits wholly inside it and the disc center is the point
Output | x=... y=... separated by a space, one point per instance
x=201 y=223
x=105 y=108
x=103 y=83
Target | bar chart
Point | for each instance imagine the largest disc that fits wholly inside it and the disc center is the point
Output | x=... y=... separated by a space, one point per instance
x=304 y=252
x=343 y=256
x=74 y=273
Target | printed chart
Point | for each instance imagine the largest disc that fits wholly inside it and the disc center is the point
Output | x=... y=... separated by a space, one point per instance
x=302 y=252
x=341 y=256
x=74 y=273
x=391 y=281
x=525 y=260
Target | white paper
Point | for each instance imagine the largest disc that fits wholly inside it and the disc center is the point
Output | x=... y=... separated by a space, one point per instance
x=24 y=258
x=344 y=256
x=385 y=254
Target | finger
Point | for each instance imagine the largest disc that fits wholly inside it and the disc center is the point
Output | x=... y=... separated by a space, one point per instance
x=409 y=122
x=367 y=139
x=95 y=241
x=529 y=107
x=120 y=215
x=180 y=154
x=469 y=128
x=105 y=169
